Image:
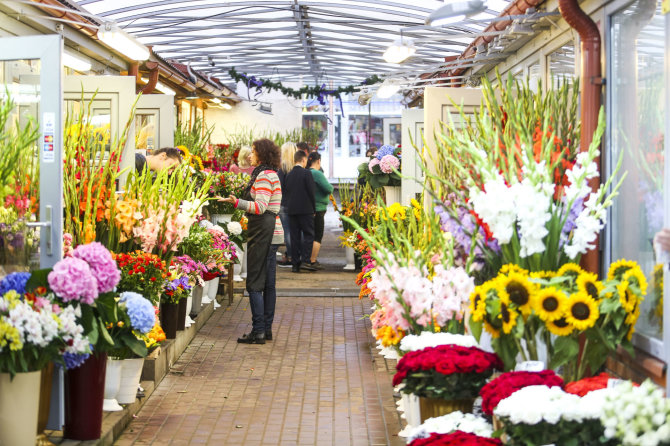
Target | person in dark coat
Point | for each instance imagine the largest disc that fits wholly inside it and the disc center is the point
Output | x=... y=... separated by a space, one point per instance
x=300 y=189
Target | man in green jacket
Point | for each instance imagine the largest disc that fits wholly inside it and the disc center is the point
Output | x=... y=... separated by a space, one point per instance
x=322 y=192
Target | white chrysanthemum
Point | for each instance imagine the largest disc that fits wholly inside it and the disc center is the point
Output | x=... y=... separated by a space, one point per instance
x=450 y=423
x=234 y=228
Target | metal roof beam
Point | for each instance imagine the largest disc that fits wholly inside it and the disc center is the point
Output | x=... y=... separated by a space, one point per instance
x=305 y=34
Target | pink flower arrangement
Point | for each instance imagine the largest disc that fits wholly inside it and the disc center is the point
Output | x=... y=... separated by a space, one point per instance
x=194 y=270
x=373 y=162
x=102 y=265
x=388 y=163
x=72 y=279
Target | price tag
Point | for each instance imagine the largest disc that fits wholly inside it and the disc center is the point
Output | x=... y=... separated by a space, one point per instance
x=614 y=382
x=530 y=366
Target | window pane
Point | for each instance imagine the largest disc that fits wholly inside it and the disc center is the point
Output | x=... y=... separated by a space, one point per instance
x=637 y=134
x=562 y=64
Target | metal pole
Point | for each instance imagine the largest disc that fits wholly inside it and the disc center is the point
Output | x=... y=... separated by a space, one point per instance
x=331 y=134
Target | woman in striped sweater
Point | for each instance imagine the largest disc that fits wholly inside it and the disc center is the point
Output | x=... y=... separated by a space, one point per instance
x=261 y=202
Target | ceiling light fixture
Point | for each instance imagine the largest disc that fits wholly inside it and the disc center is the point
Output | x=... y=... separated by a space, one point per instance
x=388 y=88
x=399 y=51
x=160 y=87
x=226 y=105
x=455 y=11
x=75 y=62
x=113 y=36
x=216 y=100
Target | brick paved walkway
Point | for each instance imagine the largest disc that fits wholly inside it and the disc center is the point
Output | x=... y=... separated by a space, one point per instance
x=318 y=383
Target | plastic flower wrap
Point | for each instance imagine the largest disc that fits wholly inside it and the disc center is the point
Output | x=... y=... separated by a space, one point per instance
x=446 y=371
x=506 y=384
x=519 y=308
x=636 y=416
x=457 y=438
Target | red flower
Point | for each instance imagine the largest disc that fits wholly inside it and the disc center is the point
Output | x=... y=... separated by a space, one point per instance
x=508 y=383
x=586 y=385
x=457 y=438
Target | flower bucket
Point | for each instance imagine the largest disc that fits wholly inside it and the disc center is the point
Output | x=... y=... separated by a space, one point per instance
x=196 y=301
x=412 y=409
x=112 y=382
x=84 y=392
x=349 y=255
x=213 y=288
x=131 y=370
x=221 y=218
x=392 y=194
x=181 y=314
x=168 y=317
x=19 y=408
x=237 y=267
x=46 y=381
x=435 y=407
x=243 y=262
x=204 y=300
x=189 y=304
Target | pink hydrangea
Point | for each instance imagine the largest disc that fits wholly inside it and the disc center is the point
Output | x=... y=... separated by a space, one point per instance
x=72 y=279
x=373 y=162
x=103 y=266
x=388 y=163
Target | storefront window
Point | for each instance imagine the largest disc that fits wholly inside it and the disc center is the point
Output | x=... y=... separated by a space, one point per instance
x=534 y=75
x=361 y=140
x=562 y=64
x=637 y=88
x=318 y=124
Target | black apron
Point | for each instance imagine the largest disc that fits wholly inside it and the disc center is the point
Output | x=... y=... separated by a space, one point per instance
x=260 y=229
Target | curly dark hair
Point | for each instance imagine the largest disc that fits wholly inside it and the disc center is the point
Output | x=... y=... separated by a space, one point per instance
x=267 y=152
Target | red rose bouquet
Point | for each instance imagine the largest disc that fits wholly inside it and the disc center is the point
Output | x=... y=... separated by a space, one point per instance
x=446 y=371
x=143 y=273
x=458 y=438
x=508 y=383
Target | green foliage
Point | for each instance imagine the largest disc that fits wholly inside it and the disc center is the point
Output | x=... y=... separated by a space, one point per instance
x=194 y=137
x=564 y=433
x=245 y=136
x=456 y=386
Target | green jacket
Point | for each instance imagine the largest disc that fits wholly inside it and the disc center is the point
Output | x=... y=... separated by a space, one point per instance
x=323 y=190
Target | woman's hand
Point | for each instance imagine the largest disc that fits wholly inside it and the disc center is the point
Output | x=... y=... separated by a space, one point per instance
x=230 y=199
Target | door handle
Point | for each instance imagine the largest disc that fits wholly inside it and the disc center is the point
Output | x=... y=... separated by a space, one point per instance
x=47 y=226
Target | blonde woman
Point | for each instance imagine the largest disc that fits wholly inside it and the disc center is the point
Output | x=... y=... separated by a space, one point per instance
x=288 y=150
x=243 y=161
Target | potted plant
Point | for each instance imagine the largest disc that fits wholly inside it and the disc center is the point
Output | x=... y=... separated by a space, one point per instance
x=382 y=169
x=174 y=297
x=143 y=273
x=446 y=378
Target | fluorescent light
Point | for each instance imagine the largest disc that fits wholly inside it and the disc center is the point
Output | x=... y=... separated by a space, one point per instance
x=400 y=50
x=121 y=41
x=226 y=105
x=388 y=88
x=75 y=62
x=216 y=100
x=455 y=11
x=160 y=87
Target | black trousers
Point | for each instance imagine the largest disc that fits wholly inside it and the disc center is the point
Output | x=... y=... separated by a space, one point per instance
x=302 y=227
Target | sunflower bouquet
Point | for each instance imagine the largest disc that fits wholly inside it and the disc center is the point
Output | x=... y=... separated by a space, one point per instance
x=525 y=312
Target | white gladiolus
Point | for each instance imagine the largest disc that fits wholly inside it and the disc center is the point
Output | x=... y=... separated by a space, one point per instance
x=495 y=208
x=425 y=339
x=452 y=422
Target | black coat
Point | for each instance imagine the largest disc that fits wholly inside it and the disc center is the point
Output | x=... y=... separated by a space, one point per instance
x=299 y=191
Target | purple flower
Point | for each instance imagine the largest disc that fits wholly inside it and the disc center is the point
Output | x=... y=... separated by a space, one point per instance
x=373 y=162
x=388 y=163
x=103 y=266
x=73 y=360
x=383 y=151
x=140 y=311
x=72 y=279
x=14 y=281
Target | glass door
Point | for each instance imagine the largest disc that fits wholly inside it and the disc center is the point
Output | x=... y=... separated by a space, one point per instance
x=154 y=123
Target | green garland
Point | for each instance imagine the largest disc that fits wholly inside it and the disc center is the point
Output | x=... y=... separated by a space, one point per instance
x=310 y=92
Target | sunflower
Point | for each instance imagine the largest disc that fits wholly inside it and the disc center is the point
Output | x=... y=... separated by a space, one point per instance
x=559 y=327
x=618 y=268
x=494 y=332
x=507 y=314
x=509 y=267
x=638 y=276
x=478 y=303
x=519 y=289
x=570 y=269
x=631 y=330
x=550 y=303
x=582 y=311
x=633 y=316
x=589 y=284
x=185 y=152
x=544 y=275
x=627 y=298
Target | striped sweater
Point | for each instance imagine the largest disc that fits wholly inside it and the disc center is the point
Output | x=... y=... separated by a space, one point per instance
x=266 y=195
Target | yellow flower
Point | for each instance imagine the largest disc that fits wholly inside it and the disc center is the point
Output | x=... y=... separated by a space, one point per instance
x=495 y=333
x=545 y=275
x=589 y=284
x=582 y=311
x=550 y=303
x=627 y=298
x=478 y=303
x=9 y=335
x=631 y=330
x=635 y=275
x=559 y=327
x=519 y=289
x=507 y=314
x=185 y=151
x=618 y=268
x=632 y=317
x=509 y=267
x=570 y=269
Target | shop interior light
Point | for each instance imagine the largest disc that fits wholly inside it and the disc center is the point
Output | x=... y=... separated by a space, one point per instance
x=226 y=105
x=77 y=63
x=400 y=50
x=216 y=100
x=388 y=88
x=113 y=36
x=455 y=11
x=160 y=87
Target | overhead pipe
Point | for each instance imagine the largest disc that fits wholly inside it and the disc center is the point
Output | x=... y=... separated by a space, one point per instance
x=153 y=78
x=590 y=92
x=76 y=21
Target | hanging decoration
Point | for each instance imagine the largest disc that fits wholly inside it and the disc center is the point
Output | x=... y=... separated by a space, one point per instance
x=316 y=91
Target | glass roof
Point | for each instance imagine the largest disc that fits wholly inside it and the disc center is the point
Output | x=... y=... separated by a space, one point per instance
x=339 y=41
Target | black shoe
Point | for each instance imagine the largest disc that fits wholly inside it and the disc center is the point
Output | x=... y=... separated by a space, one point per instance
x=308 y=267
x=284 y=263
x=252 y=338
x=268 y=335
x=295 y=269
x=317 y=265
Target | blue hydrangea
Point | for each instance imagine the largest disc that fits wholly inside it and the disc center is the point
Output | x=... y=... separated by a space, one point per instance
x=383 y=151
x=74 y=360
x=140 y=311
x=14 y=281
